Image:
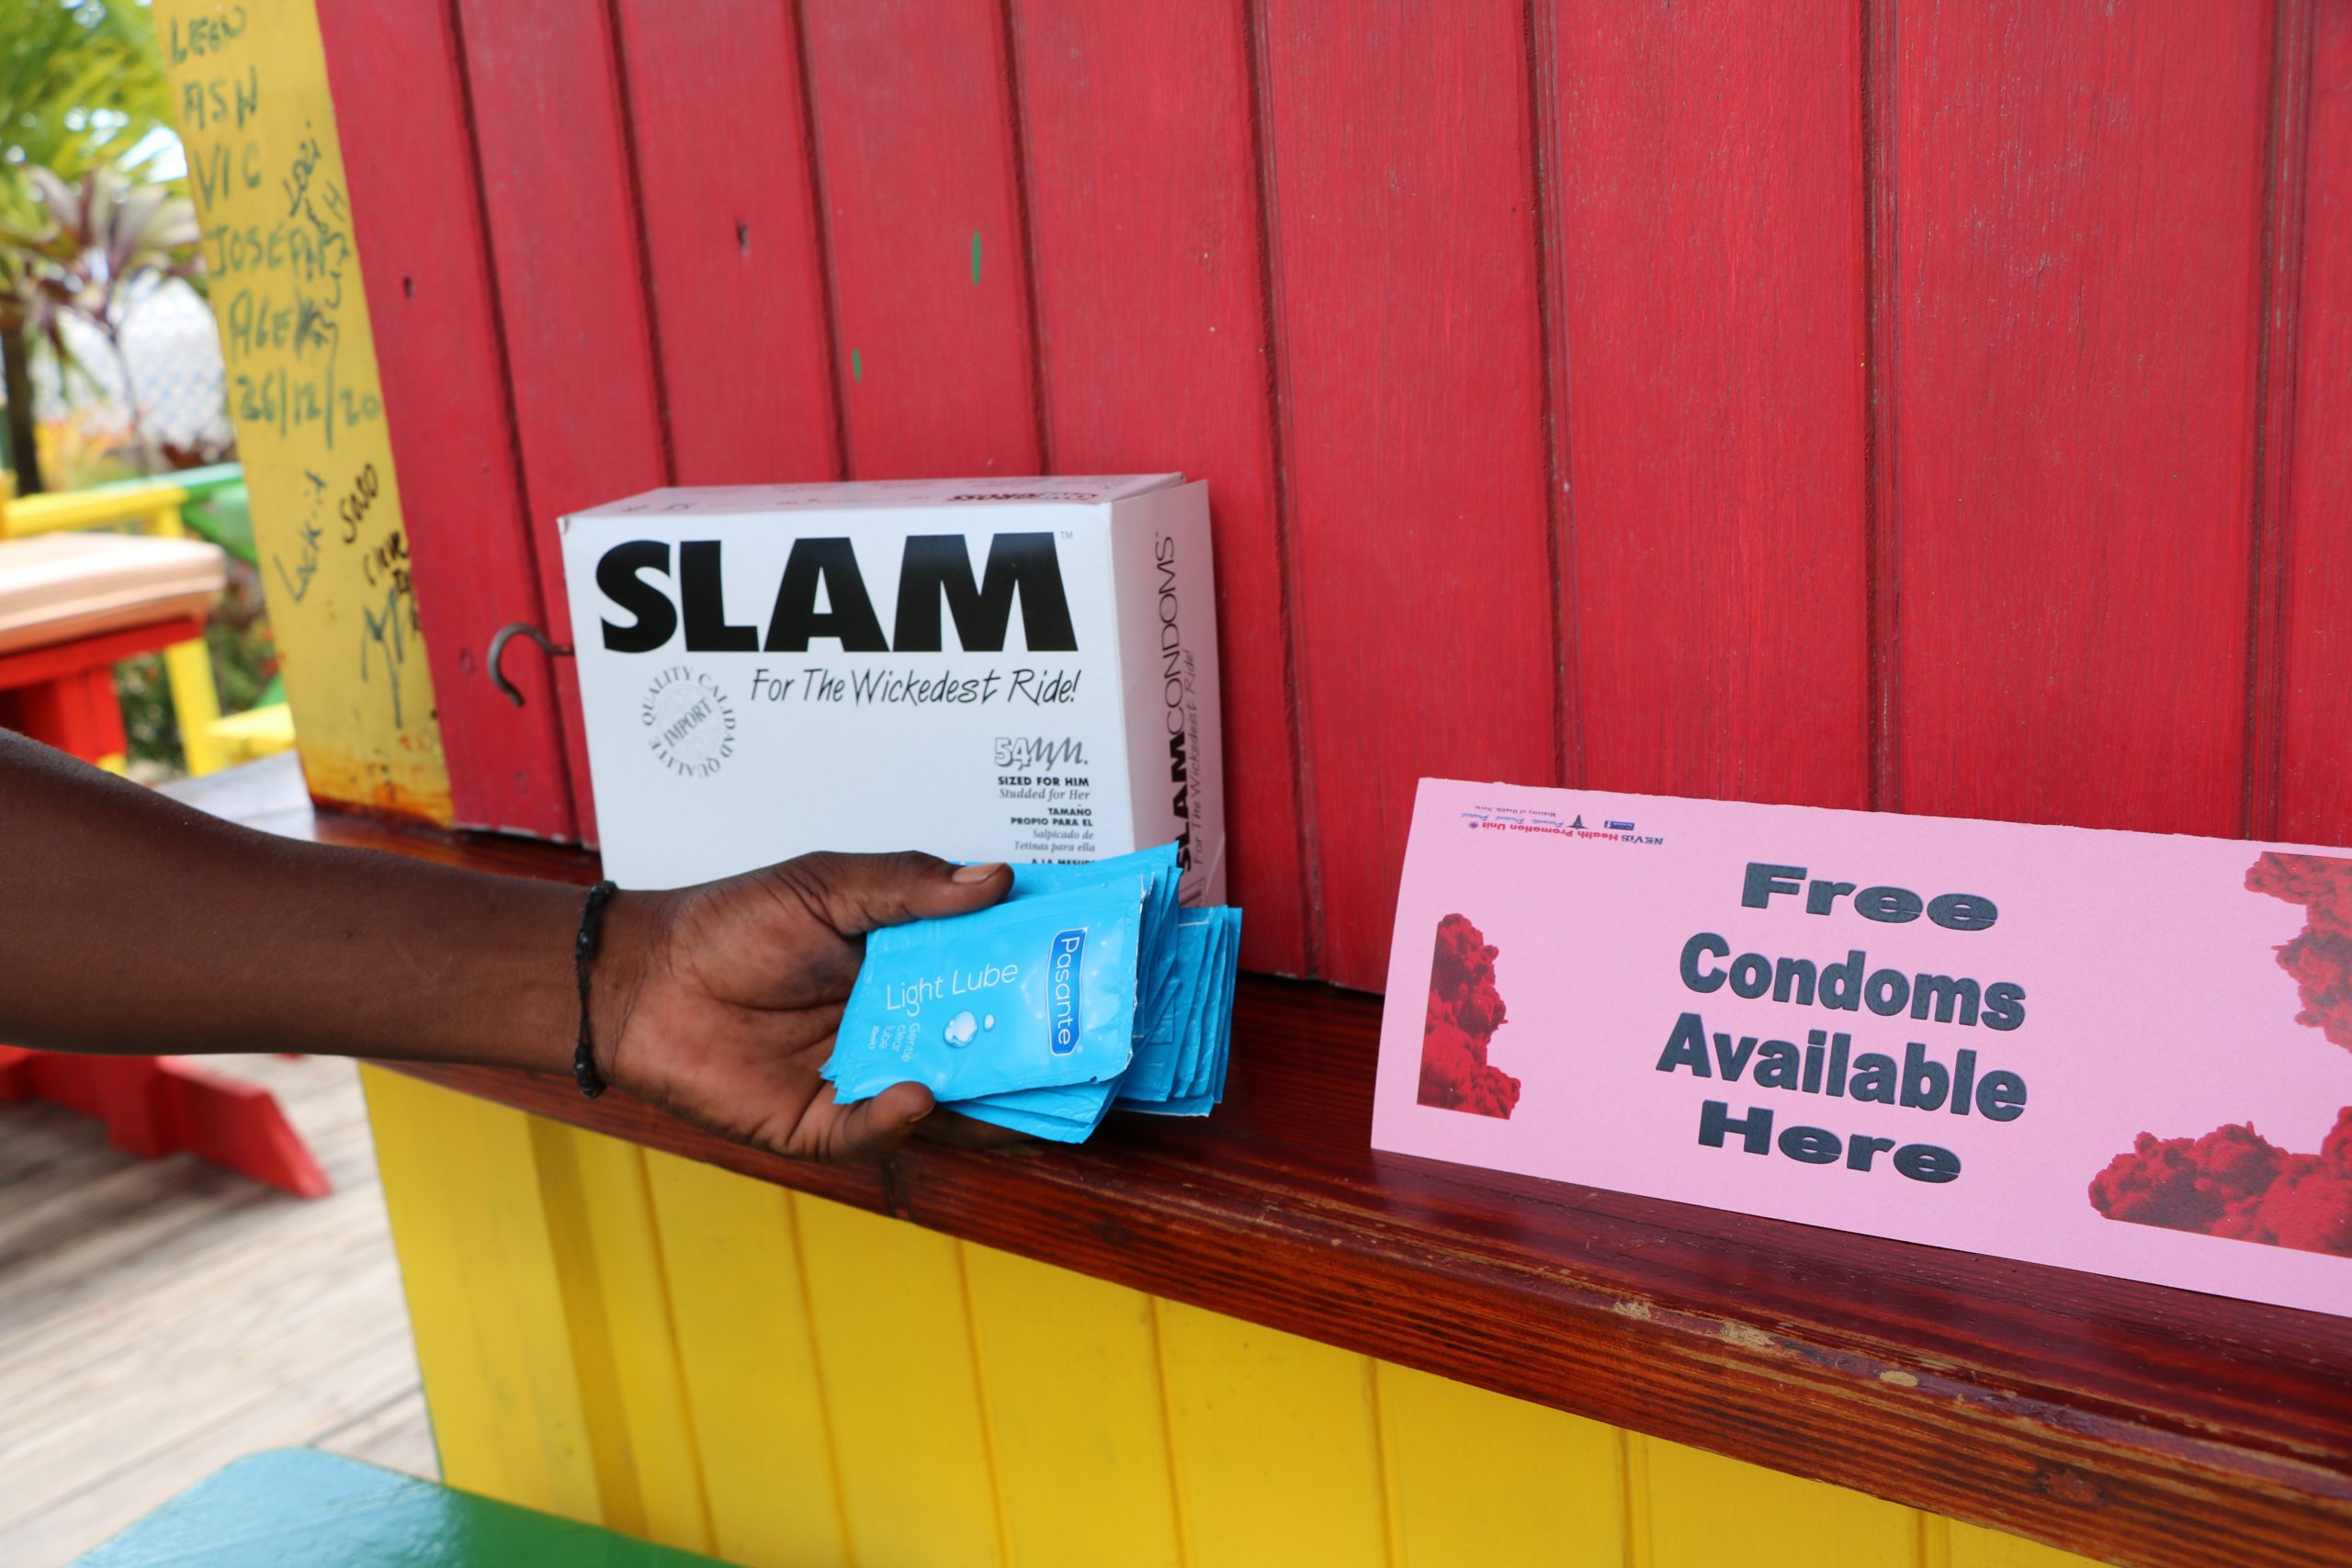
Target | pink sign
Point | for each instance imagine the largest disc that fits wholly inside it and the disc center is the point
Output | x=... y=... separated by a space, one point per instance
x=2130 y=1053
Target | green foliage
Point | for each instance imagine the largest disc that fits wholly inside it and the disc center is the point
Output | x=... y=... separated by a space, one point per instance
x=101 y=240
x=82 y=84
x=245 y=668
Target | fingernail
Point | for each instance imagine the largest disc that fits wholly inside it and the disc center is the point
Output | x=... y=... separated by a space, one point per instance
x=977 y=872
x=919 y=1115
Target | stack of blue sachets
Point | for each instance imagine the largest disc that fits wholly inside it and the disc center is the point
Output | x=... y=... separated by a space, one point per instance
x=1088 y=987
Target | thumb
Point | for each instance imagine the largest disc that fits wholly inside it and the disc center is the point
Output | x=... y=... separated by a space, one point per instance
x=872 y=1127
x=858 y=893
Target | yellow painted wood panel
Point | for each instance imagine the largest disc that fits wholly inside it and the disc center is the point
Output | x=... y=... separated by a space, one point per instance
x=1276 y=1442
x=1475 y=1479
x=1700 y=1510
x=462 y=1184
x=565 y=1213
x=626 y=1336
x=894 y=1349
x=654 y=1444
x=741 y=1309
x=249 y=81
x=1070 y=1373
x=1952 y=1544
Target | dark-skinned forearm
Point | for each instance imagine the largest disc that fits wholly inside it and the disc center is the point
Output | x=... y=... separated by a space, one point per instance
x=131 y=923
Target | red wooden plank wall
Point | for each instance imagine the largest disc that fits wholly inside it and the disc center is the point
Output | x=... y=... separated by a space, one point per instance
x=2310 y=795
x=1938 y=406
x=733 y=260
x=400 y=95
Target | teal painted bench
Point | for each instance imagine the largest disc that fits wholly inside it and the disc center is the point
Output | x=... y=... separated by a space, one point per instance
x=299 y=1507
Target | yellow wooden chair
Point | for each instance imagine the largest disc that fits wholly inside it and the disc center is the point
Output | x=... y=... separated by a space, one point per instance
x=152 y=507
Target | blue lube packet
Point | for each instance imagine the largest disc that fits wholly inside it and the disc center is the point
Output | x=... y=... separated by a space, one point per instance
x=1070 y=1112
x=1162 y=877
x=1038 y=992
x=922 y=1009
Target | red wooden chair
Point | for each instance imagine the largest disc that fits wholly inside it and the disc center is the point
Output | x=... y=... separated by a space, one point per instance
x=73 y=606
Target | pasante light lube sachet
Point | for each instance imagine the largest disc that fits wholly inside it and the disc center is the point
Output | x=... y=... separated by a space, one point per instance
x=1088 y=988
x=1020 y=669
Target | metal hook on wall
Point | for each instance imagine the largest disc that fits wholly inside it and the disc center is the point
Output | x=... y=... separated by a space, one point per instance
x=507 y=634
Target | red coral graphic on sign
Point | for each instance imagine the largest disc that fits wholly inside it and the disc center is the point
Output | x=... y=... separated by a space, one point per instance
x=1464 y=1011
x=2320 y=958
x=2234 y=1182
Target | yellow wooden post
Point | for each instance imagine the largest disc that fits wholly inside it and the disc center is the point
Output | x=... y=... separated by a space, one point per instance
x=187 y=668
x=267 y=175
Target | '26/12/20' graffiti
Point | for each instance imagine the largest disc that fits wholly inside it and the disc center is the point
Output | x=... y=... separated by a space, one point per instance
x=266 y=167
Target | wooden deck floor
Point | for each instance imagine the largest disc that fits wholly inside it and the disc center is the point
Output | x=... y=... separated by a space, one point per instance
x=161 y=1318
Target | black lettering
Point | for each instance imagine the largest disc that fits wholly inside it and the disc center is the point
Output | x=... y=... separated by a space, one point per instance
x=1763 y=881
x=1873 y=1078
x=2003 y=1005
x=653 y=618
x=1841 y=984
x=2000 y=1096
x=848 y=617
x=939 y=567
x=1687 y=1047
x=1862 y=1148
x=1777 y=1068
x=702 y=585
x=1887 y=991
x=1925 y=1083
x=1814 y=1145
x=1822 y=895
x=1704 y=943
x=1751 y=976
x=1893 y=906
x=1792 y=981
x=1963 y=912
x=1925 y=1162
x=1945 y=995
x=1733 y=1059
x=1755 y=1132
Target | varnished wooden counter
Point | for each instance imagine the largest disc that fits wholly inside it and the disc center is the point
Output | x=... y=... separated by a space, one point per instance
x=2128 y=1422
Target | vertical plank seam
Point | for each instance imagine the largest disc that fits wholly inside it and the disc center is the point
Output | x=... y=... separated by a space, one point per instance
x=1882 y=344
x=1385 y=1460
x=980 y=1399
x=633 y=192
x=1935 y=1541
x=1257 y=48
x=2277 y=305
x=1168 y=1431
x=455 y=1152
x=676 y=1351
x=1635 y=1494
x=796 y=14
x=480 y=196
x=595 y=1373
x=1017 y=124
x=372 y=1098
x=817 y=1368
x=1542 y=36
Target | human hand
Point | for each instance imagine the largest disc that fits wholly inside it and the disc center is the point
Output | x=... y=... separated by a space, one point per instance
x=718 y=1003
